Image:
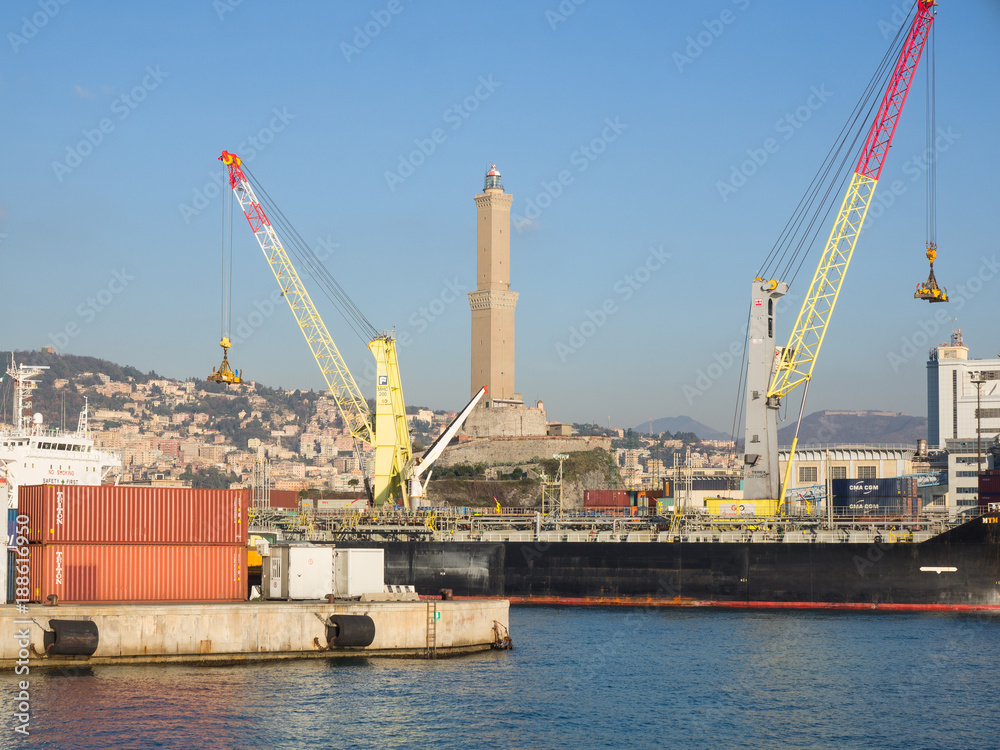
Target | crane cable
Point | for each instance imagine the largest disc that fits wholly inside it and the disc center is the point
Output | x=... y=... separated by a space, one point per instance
x=740 y=392
x=313 y=266
x=931 y=150
x=799 y=235
x=227 y=263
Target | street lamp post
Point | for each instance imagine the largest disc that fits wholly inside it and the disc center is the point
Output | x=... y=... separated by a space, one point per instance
x=978 y=378
x=560 y=457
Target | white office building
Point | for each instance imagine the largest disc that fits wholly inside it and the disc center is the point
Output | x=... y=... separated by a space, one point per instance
x=963 y=402
x=962 y=394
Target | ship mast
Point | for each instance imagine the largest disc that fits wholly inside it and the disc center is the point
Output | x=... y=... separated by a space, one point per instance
x=81 y=425
x=24 y=387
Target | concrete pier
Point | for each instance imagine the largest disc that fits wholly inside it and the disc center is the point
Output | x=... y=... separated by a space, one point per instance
x=252 y=631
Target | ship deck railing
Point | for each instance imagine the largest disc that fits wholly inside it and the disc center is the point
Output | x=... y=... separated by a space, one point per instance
x=484 y=525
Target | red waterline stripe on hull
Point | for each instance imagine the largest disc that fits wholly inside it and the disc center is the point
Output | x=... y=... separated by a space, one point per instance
x=623 y=601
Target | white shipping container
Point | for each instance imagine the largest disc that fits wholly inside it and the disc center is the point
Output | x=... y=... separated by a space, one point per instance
x=359 y=571
x=310 y=572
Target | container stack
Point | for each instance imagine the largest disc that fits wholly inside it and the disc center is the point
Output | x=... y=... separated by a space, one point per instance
x=895 y=496
x=135 y=544
x=989 y=489
x=622 y=502
x=607 y=499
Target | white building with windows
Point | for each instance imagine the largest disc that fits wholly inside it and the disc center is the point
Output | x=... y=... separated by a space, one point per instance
x=963 y=477
x=963 y=395
x=814 y=464
x=963 y=404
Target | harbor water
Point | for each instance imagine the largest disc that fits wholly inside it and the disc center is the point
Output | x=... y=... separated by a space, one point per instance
x=577 y=677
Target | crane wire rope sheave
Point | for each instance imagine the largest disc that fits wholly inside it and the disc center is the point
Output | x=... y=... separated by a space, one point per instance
x=396 y=476
x=225 y=373
x=785 y=369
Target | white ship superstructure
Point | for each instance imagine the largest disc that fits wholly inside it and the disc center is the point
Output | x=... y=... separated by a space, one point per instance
x=31 y=453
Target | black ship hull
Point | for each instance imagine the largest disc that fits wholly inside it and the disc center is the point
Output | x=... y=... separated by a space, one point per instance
x=959 y=569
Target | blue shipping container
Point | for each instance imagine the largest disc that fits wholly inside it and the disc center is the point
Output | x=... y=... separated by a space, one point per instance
x=11 y=574
x=11 y=528
x=877 y=506
x=890 y=487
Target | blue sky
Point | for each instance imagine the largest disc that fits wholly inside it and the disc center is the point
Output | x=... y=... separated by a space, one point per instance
x=372 y=124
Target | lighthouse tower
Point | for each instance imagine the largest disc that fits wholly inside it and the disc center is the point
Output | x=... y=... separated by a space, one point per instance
x=493 y=302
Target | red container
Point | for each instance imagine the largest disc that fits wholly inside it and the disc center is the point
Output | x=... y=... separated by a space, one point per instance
x=288 y=499
x=606 y=498
x=988 y=484
x=133 y=515
x=137 y=573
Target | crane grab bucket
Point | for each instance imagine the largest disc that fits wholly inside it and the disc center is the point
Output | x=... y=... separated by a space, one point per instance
x=225 y=373
x=930 y=290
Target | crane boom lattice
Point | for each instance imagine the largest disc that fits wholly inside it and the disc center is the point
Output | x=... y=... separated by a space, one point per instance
x=352 y=405
x=797 y=363
x=774 y=372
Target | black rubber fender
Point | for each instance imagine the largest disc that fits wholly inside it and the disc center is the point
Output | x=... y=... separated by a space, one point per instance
x=72 y=637
x=343 y=631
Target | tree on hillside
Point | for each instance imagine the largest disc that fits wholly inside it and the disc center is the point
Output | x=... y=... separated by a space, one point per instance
x=211 y=478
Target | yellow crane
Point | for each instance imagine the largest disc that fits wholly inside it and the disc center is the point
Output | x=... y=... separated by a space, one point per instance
x=396 y=475
x=390 y=434
x=774 y=372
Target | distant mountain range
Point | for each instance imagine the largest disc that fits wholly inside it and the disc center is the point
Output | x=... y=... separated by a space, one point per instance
x=865 y=427
x=674 y=425
x=820 y=427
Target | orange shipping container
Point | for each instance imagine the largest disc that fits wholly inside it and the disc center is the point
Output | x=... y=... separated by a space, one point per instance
x=137 y=573
x=133 y=515
x=288 y=499
x=606 y=498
